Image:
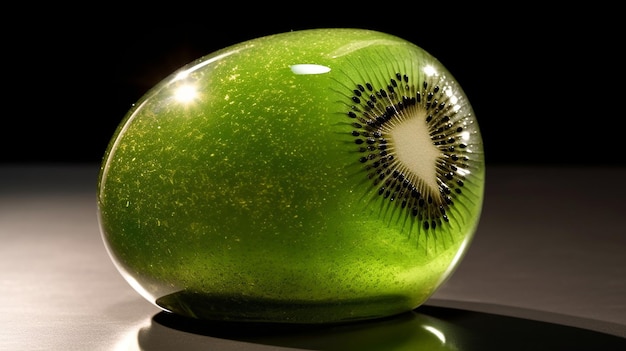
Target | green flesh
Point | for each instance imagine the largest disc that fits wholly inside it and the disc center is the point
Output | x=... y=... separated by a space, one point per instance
x=254 y=189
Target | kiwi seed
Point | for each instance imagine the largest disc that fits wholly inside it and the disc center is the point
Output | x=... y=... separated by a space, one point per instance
x=412 y=141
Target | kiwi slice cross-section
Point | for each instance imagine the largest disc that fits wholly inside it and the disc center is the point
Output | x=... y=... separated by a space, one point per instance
x=418 y=143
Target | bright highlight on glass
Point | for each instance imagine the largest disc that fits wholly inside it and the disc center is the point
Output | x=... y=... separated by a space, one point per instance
x=309 y=69
x=258 y=184
x=186 y=93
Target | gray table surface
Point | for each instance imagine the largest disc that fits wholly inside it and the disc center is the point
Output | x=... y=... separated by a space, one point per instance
x=550 y=246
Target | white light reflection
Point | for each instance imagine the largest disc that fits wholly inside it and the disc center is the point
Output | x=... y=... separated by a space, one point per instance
x=453 y=99
x=309 y=68
x=436 y=332
x=186 y=93
x=184 y=74
x=463 y=171
x=450 y=94
x=430 y=70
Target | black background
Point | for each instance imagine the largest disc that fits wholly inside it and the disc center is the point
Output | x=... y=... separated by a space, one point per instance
x=545 y=82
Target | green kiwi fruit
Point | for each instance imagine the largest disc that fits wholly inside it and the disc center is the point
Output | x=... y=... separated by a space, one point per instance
x=313 y=176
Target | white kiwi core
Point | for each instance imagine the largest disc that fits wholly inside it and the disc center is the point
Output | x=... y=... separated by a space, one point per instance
x=414 y=149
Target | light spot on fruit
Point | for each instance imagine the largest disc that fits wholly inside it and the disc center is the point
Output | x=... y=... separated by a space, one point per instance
x=186 y=93
x=430 y=70
x=307 y=68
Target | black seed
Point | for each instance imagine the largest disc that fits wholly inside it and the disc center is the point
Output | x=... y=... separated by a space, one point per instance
x=425 y=85
x=363 y=159
x=358 y=141
x=351 y=114
x=355 y=133
x=390 y=111
x=361 y=88
x=393 y=81
x=462 y=146
x=356 y=99
x=357 y=92
x=369 y=86
x=436 y=90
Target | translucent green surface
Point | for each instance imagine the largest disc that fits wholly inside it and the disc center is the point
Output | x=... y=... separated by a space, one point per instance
x=247 y=185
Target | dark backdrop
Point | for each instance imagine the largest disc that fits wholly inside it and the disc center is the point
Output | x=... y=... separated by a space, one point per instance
x=544 y=82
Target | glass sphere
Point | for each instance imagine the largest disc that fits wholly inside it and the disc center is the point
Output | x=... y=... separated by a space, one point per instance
x=314 y=176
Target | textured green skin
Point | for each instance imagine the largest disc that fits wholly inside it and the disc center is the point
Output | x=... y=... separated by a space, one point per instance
x=253 y=193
